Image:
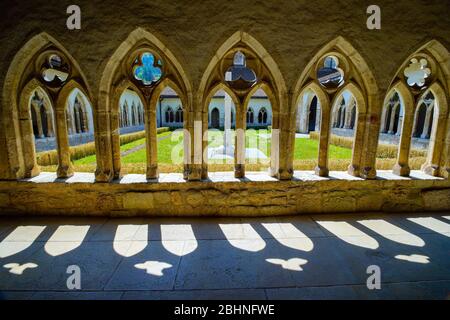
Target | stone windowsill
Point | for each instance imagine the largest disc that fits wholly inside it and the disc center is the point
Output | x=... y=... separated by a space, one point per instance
x=218 y=177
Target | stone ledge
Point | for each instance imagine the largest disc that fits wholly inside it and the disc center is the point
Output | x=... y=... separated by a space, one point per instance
x=257 y=194
x=218 y=177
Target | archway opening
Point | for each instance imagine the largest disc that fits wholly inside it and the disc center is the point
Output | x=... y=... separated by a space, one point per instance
x=424 y=115
x=221 y=132
x=342 y=132
x=258 y=133
x=80 y=131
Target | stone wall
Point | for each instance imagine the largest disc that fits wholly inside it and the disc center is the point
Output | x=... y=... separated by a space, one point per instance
x=292 y=31
x=223 y=195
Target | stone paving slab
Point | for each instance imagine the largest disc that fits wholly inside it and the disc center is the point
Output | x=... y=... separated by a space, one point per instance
x=302 y=257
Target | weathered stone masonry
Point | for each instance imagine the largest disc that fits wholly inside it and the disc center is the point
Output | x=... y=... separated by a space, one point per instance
x=285 y=44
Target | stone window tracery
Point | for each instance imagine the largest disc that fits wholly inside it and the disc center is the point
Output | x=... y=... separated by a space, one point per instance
x=330 y=75
x=146 y=70
x=417 y=72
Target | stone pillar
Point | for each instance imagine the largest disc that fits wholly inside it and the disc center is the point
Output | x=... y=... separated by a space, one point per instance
x=283 y=142
x=318 y=116
x=28 y=148
x=227 y=124
x=51 y=130
x=400 y=125
x=105 y=170
x=115 y=143
x=427 y=122
x=445 y=159
x=358 y=144
x=239 y=146
x=202 y=131
x=324 y=137
x=383 y=118
x=195 y=146
x=298 y=117
x=343 y=114
x=436 y=146
x=370 y=143
x=392 y=119
x=65 y=168
x=39 y=121
x=348 y=115
x=401 y=166
x=152 y=142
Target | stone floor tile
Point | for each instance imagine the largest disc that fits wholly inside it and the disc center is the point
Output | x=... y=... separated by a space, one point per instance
x=235 y=294
x=153 y=268
x=77 y=295
x=97 y=262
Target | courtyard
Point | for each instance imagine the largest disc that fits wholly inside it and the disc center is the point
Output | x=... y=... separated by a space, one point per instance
x=306 y=150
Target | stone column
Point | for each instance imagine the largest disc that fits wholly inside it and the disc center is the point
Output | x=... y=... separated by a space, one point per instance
x=324 y=137
x=28 y=147
x=195 y=145
x=392 y=119
x=299 y=127
x=348 y=115
x=65 y=168
x=383 y=118
x=39 y=121
x=401 y=166
x=370 y=143
x=283 y=144
x=51 y=130
x=115 y=142
x=427 y=122
x=239 y=146
x=436 y=146
x=358 y=144
x=227 y=124
x=400 y=125
x=202 y=131
x=445 y=159
x=151 y=142
x=318 y=116
x=103 y=132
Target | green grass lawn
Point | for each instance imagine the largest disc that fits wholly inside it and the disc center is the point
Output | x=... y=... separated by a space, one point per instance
x=171 y=147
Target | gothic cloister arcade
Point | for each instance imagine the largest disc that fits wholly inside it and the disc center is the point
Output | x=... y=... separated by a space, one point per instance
x=51 y=89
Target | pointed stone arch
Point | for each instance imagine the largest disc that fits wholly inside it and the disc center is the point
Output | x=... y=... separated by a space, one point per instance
x=117 y=69
x=200 y=149
x=21 y=70
x=268 y=73
x=324 y=133
x=438 y=157
x=115 y=114
x=65 y=166
x=357 y=73
x=361 y=114
x=31 y=168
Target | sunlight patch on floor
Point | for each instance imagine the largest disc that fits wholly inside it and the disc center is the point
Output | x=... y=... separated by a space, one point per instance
x=392 y=232
x=243 y=236
x=350 y=234
x=65 y=239
x=433 y=224
x=298 y=240
x=19 y=239
x=173 y=237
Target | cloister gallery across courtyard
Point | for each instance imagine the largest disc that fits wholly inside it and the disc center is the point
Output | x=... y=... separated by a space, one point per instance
x=256 y=115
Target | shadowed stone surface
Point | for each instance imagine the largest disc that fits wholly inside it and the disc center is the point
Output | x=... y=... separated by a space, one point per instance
x=307 y=257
